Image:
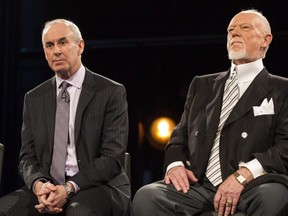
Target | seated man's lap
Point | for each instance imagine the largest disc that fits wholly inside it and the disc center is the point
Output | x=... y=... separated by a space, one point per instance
x=22 y=202
x=159 y=196
x=95 y=200
x=18 y=203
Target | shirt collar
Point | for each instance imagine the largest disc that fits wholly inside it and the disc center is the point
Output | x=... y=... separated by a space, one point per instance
x=75 y=80
x=247 y=72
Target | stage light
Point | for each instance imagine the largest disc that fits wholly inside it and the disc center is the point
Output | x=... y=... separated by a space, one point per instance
x=160 y=131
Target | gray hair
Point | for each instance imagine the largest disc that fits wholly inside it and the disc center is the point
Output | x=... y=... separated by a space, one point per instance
x=74 y=28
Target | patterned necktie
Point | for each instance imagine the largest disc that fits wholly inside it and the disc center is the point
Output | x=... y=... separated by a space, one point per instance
x=61 y=135
x=230 y=98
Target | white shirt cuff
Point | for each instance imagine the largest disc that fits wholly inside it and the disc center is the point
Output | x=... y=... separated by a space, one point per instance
x=254 y=167
x=77 y=188
x=174 y=164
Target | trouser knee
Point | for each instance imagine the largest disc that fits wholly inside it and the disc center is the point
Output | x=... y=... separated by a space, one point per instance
x=142 y=196
x=273 y=196
x=143 y=200
x=269 y=199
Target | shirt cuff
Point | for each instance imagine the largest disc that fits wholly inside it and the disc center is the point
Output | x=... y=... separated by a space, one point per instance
x=254 y=167
x=174 y=164
x=76 y=187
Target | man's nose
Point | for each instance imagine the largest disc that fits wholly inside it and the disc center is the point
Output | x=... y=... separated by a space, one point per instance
x=236 y=30
x=57 y=50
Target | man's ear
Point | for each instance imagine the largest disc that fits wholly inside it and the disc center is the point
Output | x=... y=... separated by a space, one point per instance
x=81 y=46
x=267 y=40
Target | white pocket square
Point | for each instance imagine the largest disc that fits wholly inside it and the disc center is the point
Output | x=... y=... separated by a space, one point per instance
x=266 y=108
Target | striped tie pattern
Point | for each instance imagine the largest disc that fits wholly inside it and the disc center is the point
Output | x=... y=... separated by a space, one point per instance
x=230 y=98
x=61 y=135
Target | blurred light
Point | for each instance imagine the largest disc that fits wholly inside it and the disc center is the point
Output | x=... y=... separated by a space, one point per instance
x=140 y=133
x=160 y=131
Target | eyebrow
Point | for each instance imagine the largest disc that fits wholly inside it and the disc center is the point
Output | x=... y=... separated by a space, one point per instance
x=60 y=39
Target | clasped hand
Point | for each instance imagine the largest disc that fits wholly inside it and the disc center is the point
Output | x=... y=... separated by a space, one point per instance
x=226 y=197
x=51 y=198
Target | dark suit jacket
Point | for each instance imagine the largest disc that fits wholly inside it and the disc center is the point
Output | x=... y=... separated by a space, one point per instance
x=101 y=133
x=244 y=136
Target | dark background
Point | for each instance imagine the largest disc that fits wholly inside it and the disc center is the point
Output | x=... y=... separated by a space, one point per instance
x=154 y=48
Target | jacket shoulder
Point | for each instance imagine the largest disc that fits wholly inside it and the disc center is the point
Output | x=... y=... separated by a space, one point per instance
x=278 y=81
x=212 y=75
x=42 y=88
x=100 y=80
x=96 y=81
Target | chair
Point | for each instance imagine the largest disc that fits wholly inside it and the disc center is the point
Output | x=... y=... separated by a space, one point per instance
x=127 y=165
x=1 y=158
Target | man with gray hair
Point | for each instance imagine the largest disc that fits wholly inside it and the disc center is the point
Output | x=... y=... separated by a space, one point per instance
x=74 y=137
x=229 y=152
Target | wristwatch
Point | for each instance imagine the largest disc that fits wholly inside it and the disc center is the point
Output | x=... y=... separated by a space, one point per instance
x=240 y=178
x=69 y=191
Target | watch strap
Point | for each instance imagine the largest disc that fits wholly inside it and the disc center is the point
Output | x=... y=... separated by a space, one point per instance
x=69 y=190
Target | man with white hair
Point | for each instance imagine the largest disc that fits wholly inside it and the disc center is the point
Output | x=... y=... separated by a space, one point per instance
x=229 y=152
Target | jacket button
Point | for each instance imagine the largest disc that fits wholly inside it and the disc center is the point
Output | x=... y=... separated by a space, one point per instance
x=244 y=135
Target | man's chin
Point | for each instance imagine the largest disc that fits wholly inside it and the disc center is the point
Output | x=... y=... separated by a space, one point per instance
x=63 y=73
x=236 y=55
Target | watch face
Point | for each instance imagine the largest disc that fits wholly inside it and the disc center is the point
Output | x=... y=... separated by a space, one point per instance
x=241 y=178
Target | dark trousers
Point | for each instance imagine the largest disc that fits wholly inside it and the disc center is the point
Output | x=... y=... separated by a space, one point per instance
x=94 y=201
x=160 y=199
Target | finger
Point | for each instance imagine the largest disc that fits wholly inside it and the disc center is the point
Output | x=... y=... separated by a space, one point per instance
x=51 y=187
x=234 y=205
x=177 y=182
x=228 y=206
x=44 y=209
x=167 y=180
x=40 y=208
x=54 y=199
x=174 y=181
x=217 y=199
x=179 y=179
x=222 y=206
x=46 y=189
x=44 y=201
x=191 y=176
x=54 y=210
x=183 y=181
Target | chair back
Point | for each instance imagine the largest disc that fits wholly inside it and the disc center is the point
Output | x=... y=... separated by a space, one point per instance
x=127 y=165
x=1 y=158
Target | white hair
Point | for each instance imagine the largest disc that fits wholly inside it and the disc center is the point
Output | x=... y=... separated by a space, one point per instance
x=74 y=28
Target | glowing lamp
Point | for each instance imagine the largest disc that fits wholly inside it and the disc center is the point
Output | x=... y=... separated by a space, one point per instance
x=161 y=129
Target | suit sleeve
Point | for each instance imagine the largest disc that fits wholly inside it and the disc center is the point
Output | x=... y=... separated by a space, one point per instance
x=177 y=147
x=29 y=167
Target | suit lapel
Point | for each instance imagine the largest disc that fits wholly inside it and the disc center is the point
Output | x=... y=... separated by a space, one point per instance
x=255 y=93
x=50 y=110
x=87 y=92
